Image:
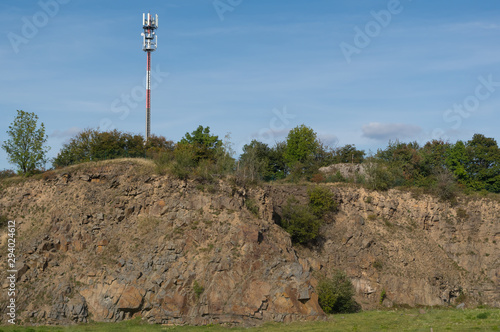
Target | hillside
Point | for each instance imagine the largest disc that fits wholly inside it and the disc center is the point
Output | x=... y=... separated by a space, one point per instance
x=110 y=241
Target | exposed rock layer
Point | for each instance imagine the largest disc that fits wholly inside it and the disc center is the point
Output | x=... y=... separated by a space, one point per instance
x=110 y=242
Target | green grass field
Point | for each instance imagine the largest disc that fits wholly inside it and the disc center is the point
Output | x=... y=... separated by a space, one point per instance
x=390 y=320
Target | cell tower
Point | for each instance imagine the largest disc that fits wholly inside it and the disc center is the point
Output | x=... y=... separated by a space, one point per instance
x=149 y=24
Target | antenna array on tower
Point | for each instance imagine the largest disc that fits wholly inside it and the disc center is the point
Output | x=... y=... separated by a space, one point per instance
x=149 y=44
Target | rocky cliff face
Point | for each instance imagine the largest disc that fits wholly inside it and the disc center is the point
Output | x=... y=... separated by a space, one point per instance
x=418 y=250
x=112 y=241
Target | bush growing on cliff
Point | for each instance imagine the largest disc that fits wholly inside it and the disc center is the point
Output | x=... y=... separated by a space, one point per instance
x=3 y=221
x=298 y=220
x=321 y=201
x=336 y=294
x=303 y=222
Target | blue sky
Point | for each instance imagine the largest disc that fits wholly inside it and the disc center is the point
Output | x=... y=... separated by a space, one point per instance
x=358 y=72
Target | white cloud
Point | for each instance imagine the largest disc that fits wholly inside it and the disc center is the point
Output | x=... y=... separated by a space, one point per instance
x=386 y=131
x=65 y=133
x=329 y=140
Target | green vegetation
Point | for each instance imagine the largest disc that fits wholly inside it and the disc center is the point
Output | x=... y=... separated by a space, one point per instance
x=7 y=173
x=336 y=294
x=25 y=147
x=260 y=162
x=303 y=222
x=93 y=145
x=301 y=146
x=300 y=222
x=321 y=201
x=377 y=264
x=383 y=296
x=251 y=206
x=198 y=289
x=367 y=321
x=3 y=221
x=440 y=168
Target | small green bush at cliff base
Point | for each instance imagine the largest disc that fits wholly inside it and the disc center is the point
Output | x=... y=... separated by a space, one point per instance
x=383 y=296
x=336 y=294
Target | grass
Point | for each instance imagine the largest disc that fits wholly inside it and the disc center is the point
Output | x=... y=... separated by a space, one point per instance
x=388 y=320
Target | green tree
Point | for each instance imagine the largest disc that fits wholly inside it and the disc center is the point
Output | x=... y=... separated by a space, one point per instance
x=25 y=148
x=457 y=161
x=403 y=161
x=433 y=156
x=255 y=161
x=349 y=154
x=279 y=169
x=204 y=144
x=301 y=145
x=78 y=149
x=484 y=163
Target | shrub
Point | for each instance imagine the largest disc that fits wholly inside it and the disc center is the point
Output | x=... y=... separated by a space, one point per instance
x=162 y=162
x=318 y=178
x=206 y=170
x=49 y=175
x=462 y=214
x=462 y=297
x=3 y=221
x=184 y=162
x=7 y=173
x=321 y=201
x=336 y=294
x=378 y=264
x=383 y=295
x=446 y=187
x=198 y=289
x=483 y=315
x=337 y=177
x=300 y=222
x=380 y=177
x=252 y=207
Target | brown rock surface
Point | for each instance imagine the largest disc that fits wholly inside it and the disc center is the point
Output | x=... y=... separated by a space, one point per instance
x=133 y=243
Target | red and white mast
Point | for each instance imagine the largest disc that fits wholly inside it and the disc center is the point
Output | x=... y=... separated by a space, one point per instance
x=149 y=24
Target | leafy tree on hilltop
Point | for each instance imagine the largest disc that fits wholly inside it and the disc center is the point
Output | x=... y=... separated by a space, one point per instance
x=204 y=145
x=255 y=161
x=349 y=154
x=301 y=145
x=457 y=161
x=25 y=147
x=484 y=163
